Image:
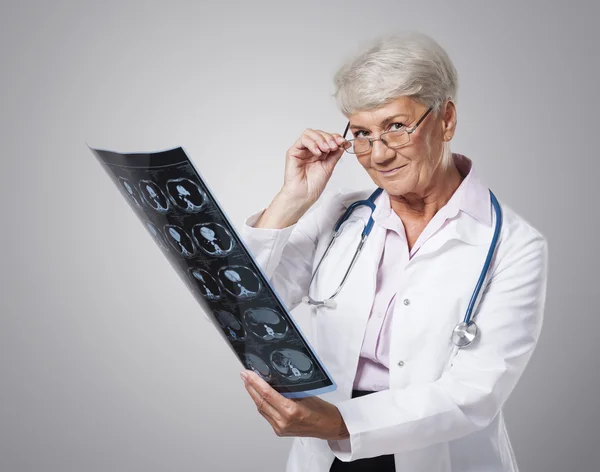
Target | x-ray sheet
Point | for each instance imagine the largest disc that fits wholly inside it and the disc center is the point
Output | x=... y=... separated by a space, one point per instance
x=185 y=220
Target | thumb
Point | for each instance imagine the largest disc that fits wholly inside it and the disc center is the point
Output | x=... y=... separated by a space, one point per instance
x=333 y=159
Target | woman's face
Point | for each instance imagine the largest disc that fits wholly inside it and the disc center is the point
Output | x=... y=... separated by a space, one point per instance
x=411 y=168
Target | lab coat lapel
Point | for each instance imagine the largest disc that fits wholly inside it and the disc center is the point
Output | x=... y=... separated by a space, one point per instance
x=473 y=224
x=464 y=228
x=356 y=298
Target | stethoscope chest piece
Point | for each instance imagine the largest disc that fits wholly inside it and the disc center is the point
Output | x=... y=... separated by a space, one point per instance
x=464 y=334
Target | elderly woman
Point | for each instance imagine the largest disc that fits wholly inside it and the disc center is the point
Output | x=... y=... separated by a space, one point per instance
x=412 y=396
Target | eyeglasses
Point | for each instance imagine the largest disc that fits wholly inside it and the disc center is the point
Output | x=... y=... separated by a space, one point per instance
x=392 y=139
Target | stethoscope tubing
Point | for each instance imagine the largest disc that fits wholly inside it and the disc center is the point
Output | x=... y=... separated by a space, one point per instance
x=369 y=202
x=467 y=325
x=488 y=260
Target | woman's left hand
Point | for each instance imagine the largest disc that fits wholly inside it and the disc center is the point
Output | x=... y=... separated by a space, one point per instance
x=309 y=416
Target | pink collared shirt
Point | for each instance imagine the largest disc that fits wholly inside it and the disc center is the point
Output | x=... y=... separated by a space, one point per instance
x=470 y=197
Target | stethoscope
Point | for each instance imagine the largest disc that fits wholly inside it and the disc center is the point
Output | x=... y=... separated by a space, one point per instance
x=466 y=331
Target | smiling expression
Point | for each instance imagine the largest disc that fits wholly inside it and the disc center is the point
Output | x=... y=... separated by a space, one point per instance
x=411 y=168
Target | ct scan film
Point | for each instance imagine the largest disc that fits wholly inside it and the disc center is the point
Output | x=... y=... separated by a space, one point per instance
x=183 y=217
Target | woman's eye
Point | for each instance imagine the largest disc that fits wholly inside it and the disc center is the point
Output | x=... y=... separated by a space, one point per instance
x=393 y=127
x=396 y=128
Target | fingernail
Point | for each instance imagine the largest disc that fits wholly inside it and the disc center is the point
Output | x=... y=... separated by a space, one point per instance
x=325 y=145
x=332 y=144
x=244 y=376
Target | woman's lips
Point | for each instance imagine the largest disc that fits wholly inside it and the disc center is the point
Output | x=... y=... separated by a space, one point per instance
x=392 y=171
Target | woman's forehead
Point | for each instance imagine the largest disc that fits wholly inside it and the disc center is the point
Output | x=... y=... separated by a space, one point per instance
x=399 y=108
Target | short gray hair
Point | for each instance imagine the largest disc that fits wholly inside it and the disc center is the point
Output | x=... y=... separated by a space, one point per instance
x=408 y=64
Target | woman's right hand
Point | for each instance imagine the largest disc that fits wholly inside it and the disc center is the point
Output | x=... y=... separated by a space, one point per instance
x=309 y=164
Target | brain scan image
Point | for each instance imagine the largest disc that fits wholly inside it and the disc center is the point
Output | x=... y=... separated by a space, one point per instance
x=180 y=240
x=157 y=235
x=231 y=326
x=186 y=195
x=130 y=192
x=255 y=363
x=206 y=283
x=239 y=281
x=154 y=196
x=265 y=323
x=292 y=364
x=213 y=239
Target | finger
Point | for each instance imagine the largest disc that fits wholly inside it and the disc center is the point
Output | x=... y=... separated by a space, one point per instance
x=330 y=160
x=305 y=144
x=310 y=144
x=342 y=142
x=281 y=404
x=330 y=138
x=263 y=406
x=321 y=139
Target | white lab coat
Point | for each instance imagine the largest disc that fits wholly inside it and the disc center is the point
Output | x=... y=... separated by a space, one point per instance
x=443 y=410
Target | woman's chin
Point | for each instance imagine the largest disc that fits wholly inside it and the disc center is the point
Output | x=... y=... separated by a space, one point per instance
x=398 y=187
x=393 y=183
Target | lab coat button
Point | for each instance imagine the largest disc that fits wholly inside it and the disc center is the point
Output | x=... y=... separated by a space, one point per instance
x=406 y=301
x=400 y=363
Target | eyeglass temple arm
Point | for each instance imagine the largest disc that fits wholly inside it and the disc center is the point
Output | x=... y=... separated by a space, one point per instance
x=412 y=130
x=346 y=130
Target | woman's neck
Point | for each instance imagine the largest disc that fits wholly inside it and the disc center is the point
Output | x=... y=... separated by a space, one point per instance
x=422 y=207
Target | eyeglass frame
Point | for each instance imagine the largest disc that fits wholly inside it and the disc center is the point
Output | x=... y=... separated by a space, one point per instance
x=407 y=131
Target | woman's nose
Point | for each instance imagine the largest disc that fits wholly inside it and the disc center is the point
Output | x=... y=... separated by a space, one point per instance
x=380 y=152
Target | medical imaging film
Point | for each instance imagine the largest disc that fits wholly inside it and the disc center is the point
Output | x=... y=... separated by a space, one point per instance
x=186 y=222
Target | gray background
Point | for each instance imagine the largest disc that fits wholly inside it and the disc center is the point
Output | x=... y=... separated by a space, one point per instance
x=106 y=363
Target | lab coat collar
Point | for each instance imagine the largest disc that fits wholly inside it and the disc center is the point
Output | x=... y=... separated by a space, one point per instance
x=475 y=196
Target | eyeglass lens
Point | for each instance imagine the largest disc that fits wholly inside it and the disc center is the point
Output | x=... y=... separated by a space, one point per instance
x=391 y=139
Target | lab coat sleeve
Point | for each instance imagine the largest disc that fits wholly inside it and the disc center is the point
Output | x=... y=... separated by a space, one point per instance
x=286 y=255
x=470 y=393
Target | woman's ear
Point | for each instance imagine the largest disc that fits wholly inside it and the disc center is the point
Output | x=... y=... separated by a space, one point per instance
x=448 y=120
